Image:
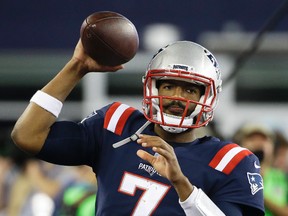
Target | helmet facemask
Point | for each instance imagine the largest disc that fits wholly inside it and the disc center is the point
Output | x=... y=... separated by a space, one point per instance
x=153 y=108
x=153 y=102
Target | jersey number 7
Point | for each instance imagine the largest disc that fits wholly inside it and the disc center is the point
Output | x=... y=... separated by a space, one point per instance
x=153 y=192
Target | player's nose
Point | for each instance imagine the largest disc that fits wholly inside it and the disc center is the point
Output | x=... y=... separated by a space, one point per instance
x=178 y=92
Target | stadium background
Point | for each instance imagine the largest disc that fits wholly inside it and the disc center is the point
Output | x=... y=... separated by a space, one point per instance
x=37 y=38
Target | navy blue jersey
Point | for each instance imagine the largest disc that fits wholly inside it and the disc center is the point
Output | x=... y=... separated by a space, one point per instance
x=128 y=185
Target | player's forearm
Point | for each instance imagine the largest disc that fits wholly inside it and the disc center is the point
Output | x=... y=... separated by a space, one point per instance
x=183 y=188
x=64 y=82
x=190 y=197
x=33 y=126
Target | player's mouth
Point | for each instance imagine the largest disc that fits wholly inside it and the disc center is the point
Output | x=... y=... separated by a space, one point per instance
x=175 y=110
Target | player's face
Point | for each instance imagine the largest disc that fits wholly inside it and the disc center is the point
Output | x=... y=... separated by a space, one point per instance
x=180 y=90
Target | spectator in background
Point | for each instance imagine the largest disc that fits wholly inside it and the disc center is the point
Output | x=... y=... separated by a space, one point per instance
x=281 y=152
x=28 y=186
x=79 y=198
x=6 y=178
x=261 y=141
x=11 y=159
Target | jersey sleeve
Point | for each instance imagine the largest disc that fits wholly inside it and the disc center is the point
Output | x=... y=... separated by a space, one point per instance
x=71 y=143
x=243 y=185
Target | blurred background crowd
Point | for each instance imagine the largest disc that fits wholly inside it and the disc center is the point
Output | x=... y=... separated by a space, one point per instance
x=38 y=37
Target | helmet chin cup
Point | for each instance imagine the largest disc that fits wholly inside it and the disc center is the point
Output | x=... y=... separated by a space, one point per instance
x=173 y=120
x=175 y=130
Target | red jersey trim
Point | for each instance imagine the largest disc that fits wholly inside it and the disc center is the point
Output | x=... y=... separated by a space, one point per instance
x=228 y=157
x=109 y=113
x=117 y=116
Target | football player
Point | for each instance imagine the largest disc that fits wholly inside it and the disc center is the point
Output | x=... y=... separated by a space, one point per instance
x=148 y=162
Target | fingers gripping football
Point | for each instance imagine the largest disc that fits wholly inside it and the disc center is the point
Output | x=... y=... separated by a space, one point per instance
x=89 y=64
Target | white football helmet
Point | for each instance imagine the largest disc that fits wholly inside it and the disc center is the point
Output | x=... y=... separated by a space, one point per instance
x=183 y=61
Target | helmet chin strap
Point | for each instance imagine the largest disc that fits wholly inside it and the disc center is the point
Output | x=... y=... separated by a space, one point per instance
x=171 y=119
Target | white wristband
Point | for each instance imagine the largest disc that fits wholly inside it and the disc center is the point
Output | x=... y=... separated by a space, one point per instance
x=47 y=102
x=199 y=204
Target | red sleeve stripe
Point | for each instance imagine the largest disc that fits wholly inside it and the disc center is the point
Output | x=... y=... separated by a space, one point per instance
x=116 y=117
x=236 y=160
x=123 y=119
x=220 y=154
x=109 y=113
x=228 y=158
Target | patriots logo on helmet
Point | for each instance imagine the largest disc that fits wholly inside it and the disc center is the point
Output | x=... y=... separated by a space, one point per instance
x=180 y=67
x=160 y=50
x=214 y=62
x=256 y=182
x=212 y=58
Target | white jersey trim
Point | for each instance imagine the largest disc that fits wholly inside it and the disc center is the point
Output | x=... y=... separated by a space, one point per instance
x=116 y=116
x=228 y=157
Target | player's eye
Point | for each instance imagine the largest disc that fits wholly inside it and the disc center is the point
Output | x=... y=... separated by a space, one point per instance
x=191 y=90
x=167 y=86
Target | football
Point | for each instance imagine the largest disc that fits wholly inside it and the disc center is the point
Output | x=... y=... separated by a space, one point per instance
x=109 y=38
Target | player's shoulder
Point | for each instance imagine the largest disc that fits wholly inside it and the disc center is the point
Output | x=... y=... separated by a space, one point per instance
x=235 y=167
x=117 y=117
x=227 y=156
x=242 y=168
